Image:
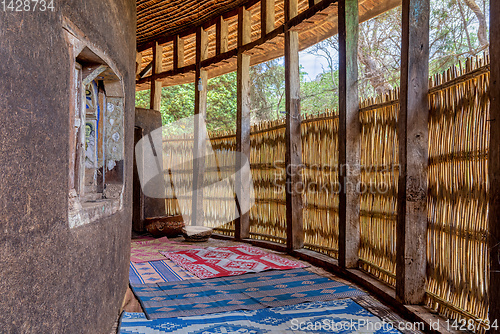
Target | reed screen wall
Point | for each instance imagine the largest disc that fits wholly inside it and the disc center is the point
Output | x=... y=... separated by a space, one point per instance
x=457 y=187
x=458 y=192
x=320 y=156
x=379 y=186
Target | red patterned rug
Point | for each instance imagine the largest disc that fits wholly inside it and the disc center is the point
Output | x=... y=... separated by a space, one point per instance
x=229 y=261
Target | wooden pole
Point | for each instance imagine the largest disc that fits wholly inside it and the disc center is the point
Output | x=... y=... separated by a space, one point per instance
x=494 y=167
x=155 y=96
x=267 y=16
x=293 y=155
x=200 y=135
x=349 y=135
x=178 y=52
x=242 y=227
x=411 y=231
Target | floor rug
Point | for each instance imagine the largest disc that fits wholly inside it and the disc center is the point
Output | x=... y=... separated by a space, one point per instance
x=229 y=261
x=157 y=272
x=339 y=316
x=149 y=250
x=246 y=292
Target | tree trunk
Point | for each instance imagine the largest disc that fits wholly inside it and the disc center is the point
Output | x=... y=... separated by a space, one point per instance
x=482 y=34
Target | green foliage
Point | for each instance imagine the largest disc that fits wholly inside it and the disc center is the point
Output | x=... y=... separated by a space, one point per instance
x=267 y=90
x=222 y=103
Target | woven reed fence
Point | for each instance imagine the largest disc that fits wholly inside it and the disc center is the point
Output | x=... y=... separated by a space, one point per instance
x=458 y=191
x=320 y=176
x=267 y=162
x=457 y=179
x=379 y=185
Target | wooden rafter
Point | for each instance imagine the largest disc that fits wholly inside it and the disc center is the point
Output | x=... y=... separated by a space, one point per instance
x=263 y=47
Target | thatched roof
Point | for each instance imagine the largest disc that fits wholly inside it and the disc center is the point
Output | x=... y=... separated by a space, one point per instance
x=161 y=20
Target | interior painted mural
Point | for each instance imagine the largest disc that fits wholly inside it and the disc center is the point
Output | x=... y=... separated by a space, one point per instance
x=97 y=148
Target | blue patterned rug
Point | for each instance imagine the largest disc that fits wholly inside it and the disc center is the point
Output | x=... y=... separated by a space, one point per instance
x=157 y=272
x=339 y=316
x=245 y=292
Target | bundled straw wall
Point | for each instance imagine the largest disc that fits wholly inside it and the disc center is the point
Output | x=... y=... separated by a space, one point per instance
x=379 y=186
x=458 y=192
x=320 y=176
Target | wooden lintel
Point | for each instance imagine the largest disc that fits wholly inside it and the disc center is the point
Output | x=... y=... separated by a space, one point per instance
x=293 y=141
x=183 y=70
x=349 y=134
x=267 y=16
x=411 y=227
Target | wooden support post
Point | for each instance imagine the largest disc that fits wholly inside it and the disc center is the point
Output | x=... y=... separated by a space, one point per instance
x=267 y=16
x=494 y=167
x=200 y=134
x=293 y=154
x=411 y=230
x=221 y=40
x=313 y=2
x=178 y=52
x=242 y=227
x=349 y=135
x=155 y=101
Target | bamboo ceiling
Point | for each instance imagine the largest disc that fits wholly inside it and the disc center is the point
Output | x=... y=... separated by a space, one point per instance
x=162 y=20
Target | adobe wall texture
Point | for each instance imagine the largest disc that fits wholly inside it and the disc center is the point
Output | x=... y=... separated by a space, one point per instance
x=53 y=279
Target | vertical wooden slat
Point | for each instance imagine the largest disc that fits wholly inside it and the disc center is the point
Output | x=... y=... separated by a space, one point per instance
x=242 y=227
x=267 y=16
x=494 y=166
x=349 y=135
x=411 y=230
x=293 y=154
x=200 y=136
x=156 y=85
x=221 y=41
x=178 y=52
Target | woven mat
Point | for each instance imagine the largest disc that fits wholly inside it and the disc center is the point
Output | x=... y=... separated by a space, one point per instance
x=157 y=272
x=246 y=292
x=214 y=262
x=149 y=250
x=317 y=317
